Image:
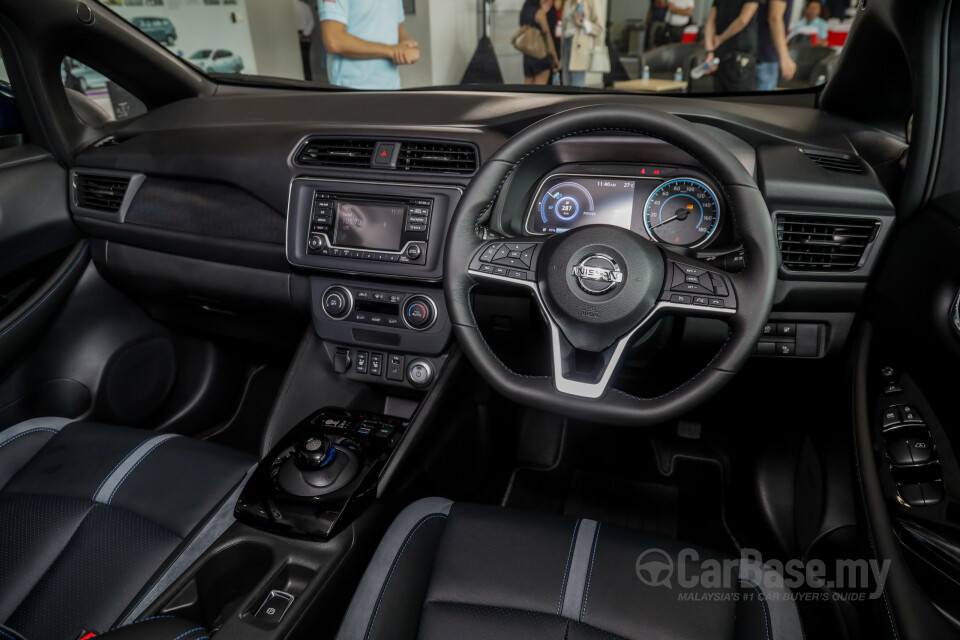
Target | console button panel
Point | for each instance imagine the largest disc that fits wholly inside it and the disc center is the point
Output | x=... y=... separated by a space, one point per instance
x=789 y=339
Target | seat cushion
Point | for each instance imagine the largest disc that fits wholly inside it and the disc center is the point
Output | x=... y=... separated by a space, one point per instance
x=92 y=516
x=469 y=571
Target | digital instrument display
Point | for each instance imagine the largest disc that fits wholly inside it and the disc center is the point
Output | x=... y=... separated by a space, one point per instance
x=566 y=202
x=369 y=226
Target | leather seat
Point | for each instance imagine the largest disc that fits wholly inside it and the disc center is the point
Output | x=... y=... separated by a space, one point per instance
x=447 y=570
x=96 y=520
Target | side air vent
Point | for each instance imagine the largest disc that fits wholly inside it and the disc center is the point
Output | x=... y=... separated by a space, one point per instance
x=336 y=152
x=839 y=162
x=435 y=157
x=102 y=193
x=823 y=243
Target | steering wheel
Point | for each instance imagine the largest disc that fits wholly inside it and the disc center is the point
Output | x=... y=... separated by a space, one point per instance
x=600 y=287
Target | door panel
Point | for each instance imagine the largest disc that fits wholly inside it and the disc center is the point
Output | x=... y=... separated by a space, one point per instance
x=42 y=254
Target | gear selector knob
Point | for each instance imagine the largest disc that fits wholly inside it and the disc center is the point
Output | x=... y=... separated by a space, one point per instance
x=314 y=453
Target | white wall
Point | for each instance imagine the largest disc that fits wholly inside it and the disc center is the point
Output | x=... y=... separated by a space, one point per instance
x=447 y=31
x=262 y=32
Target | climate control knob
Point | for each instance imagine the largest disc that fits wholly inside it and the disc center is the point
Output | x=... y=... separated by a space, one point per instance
x=337 y=302
x=419 y=313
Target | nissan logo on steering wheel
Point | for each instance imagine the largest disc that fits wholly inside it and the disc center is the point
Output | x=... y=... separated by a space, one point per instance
x=597 y=274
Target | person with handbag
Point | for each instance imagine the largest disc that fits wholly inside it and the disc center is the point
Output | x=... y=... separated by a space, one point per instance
x=535 y=41
x=583 y=48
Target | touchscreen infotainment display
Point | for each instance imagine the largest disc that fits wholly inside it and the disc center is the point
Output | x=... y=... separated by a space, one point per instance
x=369 y=226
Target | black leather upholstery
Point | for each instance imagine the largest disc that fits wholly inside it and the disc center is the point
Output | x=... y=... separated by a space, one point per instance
x=91 y=515
x=472 y=572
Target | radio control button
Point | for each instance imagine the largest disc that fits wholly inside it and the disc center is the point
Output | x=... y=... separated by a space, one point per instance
x=315 y=243
x=414 y=252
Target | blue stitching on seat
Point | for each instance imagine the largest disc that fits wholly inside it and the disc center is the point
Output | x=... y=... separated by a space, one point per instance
x=186 y=633
x=566 y=569
x=107 y=477
x=763 y=605
x=44 y=298
x=124 y=626
x=127 y=474
x=593 y=558
x=396 y=561
x=25 y=433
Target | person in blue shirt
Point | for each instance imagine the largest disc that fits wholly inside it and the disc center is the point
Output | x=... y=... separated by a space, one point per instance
x=365 y=42
x=811 y=20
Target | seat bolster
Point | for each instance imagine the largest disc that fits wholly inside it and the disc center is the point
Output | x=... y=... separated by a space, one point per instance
x=21 y=442
x=778 y=607
x=393 y=587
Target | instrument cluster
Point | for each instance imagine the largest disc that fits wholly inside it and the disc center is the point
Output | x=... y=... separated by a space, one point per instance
x=668 y=205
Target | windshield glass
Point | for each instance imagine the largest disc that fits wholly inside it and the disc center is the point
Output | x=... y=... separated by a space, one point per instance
x=650 y=46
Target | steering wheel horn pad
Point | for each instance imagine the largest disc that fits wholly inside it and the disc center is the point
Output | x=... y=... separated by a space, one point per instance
x=621 y=275
x=599 y=288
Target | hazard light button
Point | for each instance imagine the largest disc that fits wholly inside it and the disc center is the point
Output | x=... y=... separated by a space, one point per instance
x=385 y=156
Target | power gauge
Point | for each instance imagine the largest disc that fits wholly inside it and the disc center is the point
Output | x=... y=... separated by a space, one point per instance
x=564 y=203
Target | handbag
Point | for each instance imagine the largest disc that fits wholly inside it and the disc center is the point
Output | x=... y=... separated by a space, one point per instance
x=529 y=41
x=599 y=59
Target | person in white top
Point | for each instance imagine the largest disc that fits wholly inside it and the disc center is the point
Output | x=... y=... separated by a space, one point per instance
x=305 y=26
x=679 y=14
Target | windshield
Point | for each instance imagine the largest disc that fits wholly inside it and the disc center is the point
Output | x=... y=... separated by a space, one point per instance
x=649 y=46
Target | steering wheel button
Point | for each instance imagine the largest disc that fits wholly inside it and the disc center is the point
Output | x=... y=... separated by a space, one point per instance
x=499 y=271
x=701 y=300
x=527 y=256
x=518 y=275
x=515 y=254
x=691 y=271
x=489 y=253
x=716 y=302
x=692 y=279
x=502 y=252
x=680 y=299
x=486 y=268
x=689 y=287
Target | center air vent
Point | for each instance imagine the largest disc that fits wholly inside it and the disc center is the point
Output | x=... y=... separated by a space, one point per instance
x=831 y=161
x=433 y=157
x=415 y=156
x=336 y=152
x=99 y=192
x=824 y=243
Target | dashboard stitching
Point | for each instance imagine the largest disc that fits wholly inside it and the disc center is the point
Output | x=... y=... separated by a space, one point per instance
x=489 y=348
x=706 y=167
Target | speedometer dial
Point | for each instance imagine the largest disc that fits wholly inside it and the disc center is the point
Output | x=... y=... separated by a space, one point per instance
x=682 y=212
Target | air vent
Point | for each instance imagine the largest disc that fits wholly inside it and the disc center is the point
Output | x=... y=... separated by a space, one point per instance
x=437 y=157
x=99 y=192
x=839 y=162
x=336 y=152
x=824 y=243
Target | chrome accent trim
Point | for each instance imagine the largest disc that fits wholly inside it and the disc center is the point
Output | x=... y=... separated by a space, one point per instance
x=956 y=314
x=433 y=309
x=593 y=390
x=349 y=302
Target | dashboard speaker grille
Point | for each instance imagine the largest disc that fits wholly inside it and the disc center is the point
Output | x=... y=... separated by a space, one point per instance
x=838 y=162
x=824 y=243
x=433 y=157
x=336 y=152
x=103 y=193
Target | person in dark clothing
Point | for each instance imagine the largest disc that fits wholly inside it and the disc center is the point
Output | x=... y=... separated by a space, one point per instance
x=773 y=56
x=534 y=14
x=731 y=35
x=656 y=15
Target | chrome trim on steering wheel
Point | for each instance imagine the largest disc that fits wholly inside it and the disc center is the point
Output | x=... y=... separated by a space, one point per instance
x=594 y=390
x=956 y=314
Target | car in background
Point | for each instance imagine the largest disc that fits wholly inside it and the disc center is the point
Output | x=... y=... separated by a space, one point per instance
x=160 y=29
x=216 y=61
x=80 y=77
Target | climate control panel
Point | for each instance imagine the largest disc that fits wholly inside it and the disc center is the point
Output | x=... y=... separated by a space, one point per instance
x=407 y=318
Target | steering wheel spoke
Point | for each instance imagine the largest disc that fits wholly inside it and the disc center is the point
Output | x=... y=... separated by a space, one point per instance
x=508 y=261
x=695 y=288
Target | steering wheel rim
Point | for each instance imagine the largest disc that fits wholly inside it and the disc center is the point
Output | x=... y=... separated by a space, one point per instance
x=751 y=290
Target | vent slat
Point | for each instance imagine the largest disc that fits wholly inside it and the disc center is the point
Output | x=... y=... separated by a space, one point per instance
x=103 y=193
x=837 y=162
x=824 y=243
x=416 y=156
x=336 y=152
